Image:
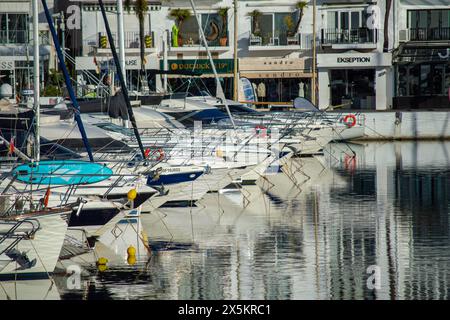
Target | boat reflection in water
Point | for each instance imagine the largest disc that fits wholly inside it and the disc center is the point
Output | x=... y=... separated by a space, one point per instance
x=361 y=207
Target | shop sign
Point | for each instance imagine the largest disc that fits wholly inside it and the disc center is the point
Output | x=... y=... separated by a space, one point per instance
x=6 y=65
x=272 y=64
x=201 y=65
x=353 y=59
x=340 y=60
x=107 y=63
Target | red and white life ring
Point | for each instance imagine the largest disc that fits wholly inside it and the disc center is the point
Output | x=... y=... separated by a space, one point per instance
x=350 y=120
x=159 y=153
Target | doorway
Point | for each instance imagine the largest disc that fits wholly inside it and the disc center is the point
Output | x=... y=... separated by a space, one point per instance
x=353 y=89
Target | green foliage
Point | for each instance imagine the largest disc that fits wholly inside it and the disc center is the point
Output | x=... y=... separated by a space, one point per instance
x=180 y=14
x=53 y=85
x=301 y=5
x=140 y=7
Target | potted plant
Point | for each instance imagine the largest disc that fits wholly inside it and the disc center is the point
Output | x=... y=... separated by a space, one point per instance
x=289 y=23
x=180 y=15
x=255 y=15
x=223 y=13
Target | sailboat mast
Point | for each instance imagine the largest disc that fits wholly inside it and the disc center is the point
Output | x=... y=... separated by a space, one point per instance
x=313 y=86
x=219 y=86
x=67 y=81
x=121 y=79
x=36 y=78
x=236 y=82
x=120 y=30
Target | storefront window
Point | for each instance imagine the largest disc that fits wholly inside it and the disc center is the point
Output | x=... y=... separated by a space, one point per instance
x=281 y=90
x=353 y=88
x=423 y=79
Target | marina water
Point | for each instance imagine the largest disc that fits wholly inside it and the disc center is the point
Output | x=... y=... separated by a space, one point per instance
x=363 y=221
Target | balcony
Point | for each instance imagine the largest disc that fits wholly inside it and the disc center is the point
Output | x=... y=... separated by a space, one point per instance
x=283 y=43
x=191 y=41
x=360 y=38
x=429 y=34
x=99 y=44
x=13 y=36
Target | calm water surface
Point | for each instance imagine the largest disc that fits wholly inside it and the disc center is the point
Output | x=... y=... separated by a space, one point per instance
x=311 y=232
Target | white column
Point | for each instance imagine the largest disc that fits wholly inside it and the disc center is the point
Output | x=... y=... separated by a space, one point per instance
x=383 y=91
x=324 y=88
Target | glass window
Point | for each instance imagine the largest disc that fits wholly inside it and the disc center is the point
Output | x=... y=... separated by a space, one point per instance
x=266 y=27
x=332 y=20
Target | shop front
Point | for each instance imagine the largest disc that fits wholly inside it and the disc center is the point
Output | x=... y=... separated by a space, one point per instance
x=18 y=72
x=422 y=77
x=104 y=67
x=355 y=80
x=205 y=82
x=278 y=80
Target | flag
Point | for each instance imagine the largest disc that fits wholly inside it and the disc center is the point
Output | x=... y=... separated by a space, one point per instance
x=11 y=146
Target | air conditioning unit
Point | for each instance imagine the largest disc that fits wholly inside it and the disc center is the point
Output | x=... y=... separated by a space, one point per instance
x=403 y=35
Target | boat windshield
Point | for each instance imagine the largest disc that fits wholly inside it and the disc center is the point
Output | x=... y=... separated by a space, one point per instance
x=115 y=128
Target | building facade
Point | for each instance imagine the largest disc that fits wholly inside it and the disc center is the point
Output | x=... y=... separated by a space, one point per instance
x=16 y=45
x=353 y=62
x=422 y=58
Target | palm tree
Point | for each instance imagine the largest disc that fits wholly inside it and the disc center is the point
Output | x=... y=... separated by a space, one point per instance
x=180 y=15
x=141 y=10
x=386 y=25
x=300 y=6
x=223 y=12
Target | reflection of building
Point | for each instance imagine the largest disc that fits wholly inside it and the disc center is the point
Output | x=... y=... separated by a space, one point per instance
x=353 y=70
x=422 y=61
x=16 y=51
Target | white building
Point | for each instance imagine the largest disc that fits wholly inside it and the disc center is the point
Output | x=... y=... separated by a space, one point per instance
x=16 y=44
x=354 y=69
x=422 y=60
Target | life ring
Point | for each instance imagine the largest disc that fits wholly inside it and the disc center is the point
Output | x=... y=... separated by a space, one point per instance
x=159 y=152
x=261 y=131
x=351 y=123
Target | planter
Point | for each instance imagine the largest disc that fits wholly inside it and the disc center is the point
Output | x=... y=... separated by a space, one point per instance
x=223 y=41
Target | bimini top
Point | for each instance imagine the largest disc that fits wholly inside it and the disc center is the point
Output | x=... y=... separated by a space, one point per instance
x=66 y=172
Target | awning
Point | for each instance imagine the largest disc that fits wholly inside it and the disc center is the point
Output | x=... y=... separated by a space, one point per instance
x=412 y=53
x=207 y=75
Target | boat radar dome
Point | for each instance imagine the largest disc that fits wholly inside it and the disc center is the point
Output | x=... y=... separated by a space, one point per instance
x=6 y=91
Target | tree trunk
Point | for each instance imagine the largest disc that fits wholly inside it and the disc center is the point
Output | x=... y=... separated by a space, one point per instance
x=299 y=20
x=386 y=25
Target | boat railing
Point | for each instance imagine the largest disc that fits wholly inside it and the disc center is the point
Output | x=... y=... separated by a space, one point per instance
x=13 y=234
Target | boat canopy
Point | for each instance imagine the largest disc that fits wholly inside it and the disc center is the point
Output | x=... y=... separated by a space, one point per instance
x=66 y=172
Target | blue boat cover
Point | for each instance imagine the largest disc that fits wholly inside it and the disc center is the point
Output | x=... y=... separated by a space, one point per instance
x=66 y=172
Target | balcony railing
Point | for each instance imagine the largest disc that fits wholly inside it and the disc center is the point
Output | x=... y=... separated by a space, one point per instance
x=13 y=36
x=349 y=36
x=193 y=39
x=429 y=34
x=275 y=40
x=131 y=40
